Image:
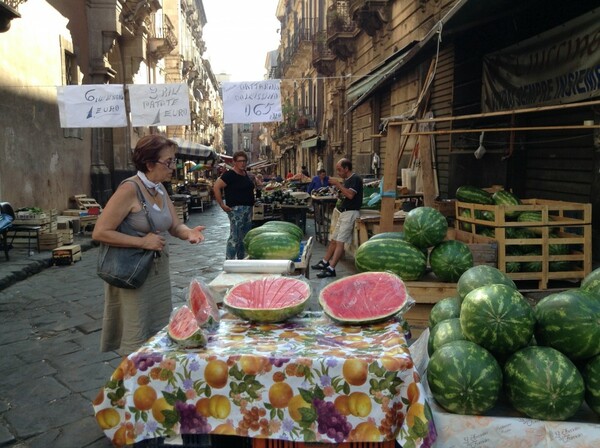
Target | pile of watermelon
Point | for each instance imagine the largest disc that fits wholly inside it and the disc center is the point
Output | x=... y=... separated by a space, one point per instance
x=474 y=195
x=488 y=342
x=274 y=240
x=188 y=324
x=406 y=253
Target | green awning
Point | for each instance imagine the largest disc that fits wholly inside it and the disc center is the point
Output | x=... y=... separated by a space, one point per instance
x=310 y=142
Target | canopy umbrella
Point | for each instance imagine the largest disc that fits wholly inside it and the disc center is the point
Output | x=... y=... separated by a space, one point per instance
x=194 y=150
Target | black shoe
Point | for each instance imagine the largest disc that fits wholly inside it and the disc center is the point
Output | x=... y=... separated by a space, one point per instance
x=320 y=265
x=325 y=273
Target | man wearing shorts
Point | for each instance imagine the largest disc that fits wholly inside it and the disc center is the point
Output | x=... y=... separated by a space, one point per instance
x=351 y=192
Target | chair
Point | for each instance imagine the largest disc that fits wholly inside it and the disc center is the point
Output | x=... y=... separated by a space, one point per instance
x=30 y=231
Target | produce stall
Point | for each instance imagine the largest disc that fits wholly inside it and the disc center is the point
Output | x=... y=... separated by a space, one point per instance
x=502 y=425
x=276 y=381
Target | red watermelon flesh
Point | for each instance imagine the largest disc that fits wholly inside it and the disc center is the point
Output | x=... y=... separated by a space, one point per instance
x=364 y=298
x=184 y=330
x=269 y=299
x=202 y=304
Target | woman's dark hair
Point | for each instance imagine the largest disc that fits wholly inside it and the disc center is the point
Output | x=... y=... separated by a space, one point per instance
x=238 y=154
x=148 y=149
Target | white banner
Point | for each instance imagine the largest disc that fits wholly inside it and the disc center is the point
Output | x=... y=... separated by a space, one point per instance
x=159 y=104
x=92 y=106
x=252 y=102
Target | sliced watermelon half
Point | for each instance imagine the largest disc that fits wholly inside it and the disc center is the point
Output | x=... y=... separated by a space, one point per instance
x=269 y=299
x=184 y=330
x=202 y=304
x=365 y=298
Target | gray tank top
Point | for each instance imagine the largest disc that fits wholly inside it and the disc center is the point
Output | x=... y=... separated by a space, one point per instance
x=162 y=218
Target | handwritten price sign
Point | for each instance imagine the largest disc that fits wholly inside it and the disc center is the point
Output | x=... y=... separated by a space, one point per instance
x=252 y=102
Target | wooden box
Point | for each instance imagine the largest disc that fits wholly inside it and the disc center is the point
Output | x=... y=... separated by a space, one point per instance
x=65 y=255
x=49 y=241
x=562 y=224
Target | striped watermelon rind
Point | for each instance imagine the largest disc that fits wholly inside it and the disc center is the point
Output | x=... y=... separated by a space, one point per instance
x=464 y=378
x=364 y=298
x=425 y=227
x=443 y=333
x=481 y=275
x=498 y=318
x=447 y=308
x=184 y=330
x=503 y=197
x=568 y=321
x=274 y=246
x=473 y=195
x=450 y=259
x=388 y=235
x=262 y=229
x=284 y=226
x=542 y=383
x=269 y=299
x=591 y=378
x=397 y=256
x=591 y=282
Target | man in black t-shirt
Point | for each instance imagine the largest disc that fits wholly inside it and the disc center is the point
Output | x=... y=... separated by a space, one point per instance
x=351 y=192
x=239 y=199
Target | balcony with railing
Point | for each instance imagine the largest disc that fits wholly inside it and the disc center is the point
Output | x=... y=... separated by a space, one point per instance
x=369 y=15
x=323 y=59
x=164 y=40
x=341 y=30
x=9 y=10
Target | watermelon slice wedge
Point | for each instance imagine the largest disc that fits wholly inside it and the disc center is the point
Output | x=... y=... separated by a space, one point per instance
x=269 y=299
x=203 y=305
x=184 y=330
x=365 y=298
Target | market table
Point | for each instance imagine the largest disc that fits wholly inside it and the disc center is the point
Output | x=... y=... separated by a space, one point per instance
x=306 y=380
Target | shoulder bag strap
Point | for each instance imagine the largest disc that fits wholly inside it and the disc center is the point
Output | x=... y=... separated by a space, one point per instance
x=144 y=205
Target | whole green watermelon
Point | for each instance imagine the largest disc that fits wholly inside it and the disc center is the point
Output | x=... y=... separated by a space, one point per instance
x=274 y=246
x=464 y=378
x=498 y=318
x=504 y=197
x=425 y=227
x=450 y=259
x=569 y=321
x=474 y=195
x=284 y=226
x=447 y=308
x=591 y=378
x=543 y=383
x=481 y=275
x=397 y=256
x=265 y=229
x=387 y=236
x=591 y=282
x=446 y=331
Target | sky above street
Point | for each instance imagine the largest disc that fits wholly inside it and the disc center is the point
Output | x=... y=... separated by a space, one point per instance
x=238 y=36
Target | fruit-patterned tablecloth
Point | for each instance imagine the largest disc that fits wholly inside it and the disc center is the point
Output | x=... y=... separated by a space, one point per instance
x=306 y=379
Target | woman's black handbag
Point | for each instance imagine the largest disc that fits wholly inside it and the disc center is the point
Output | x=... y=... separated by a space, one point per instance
x=127 y=267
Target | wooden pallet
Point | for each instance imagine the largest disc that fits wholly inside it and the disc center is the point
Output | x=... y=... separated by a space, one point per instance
x=82 y=202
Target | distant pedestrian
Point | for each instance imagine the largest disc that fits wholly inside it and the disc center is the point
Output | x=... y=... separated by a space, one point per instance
x=319 y=181
x=238 y=187
x=289 y=175
x=304 y=171
x=351 y=192
x=131 y=316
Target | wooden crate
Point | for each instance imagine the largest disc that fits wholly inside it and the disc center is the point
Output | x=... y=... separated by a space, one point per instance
x=562 y=223
x=82 y=202
x=65 y=255
x=49 y=241
x=67 y=235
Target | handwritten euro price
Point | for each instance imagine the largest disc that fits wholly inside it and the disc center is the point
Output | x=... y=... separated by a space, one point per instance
x=258 y=109
x=276 y=116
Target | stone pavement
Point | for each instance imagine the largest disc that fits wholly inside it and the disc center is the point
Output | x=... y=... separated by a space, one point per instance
x=50 y=367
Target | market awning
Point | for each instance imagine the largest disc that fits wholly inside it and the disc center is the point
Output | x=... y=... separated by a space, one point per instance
x=260 y=164
x=362 y=89
x=311 y=142
x=193 y=149
x=226 y=158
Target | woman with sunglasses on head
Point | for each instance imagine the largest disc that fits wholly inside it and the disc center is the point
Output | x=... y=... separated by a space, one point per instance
x=131 y=316
x=239 y=199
